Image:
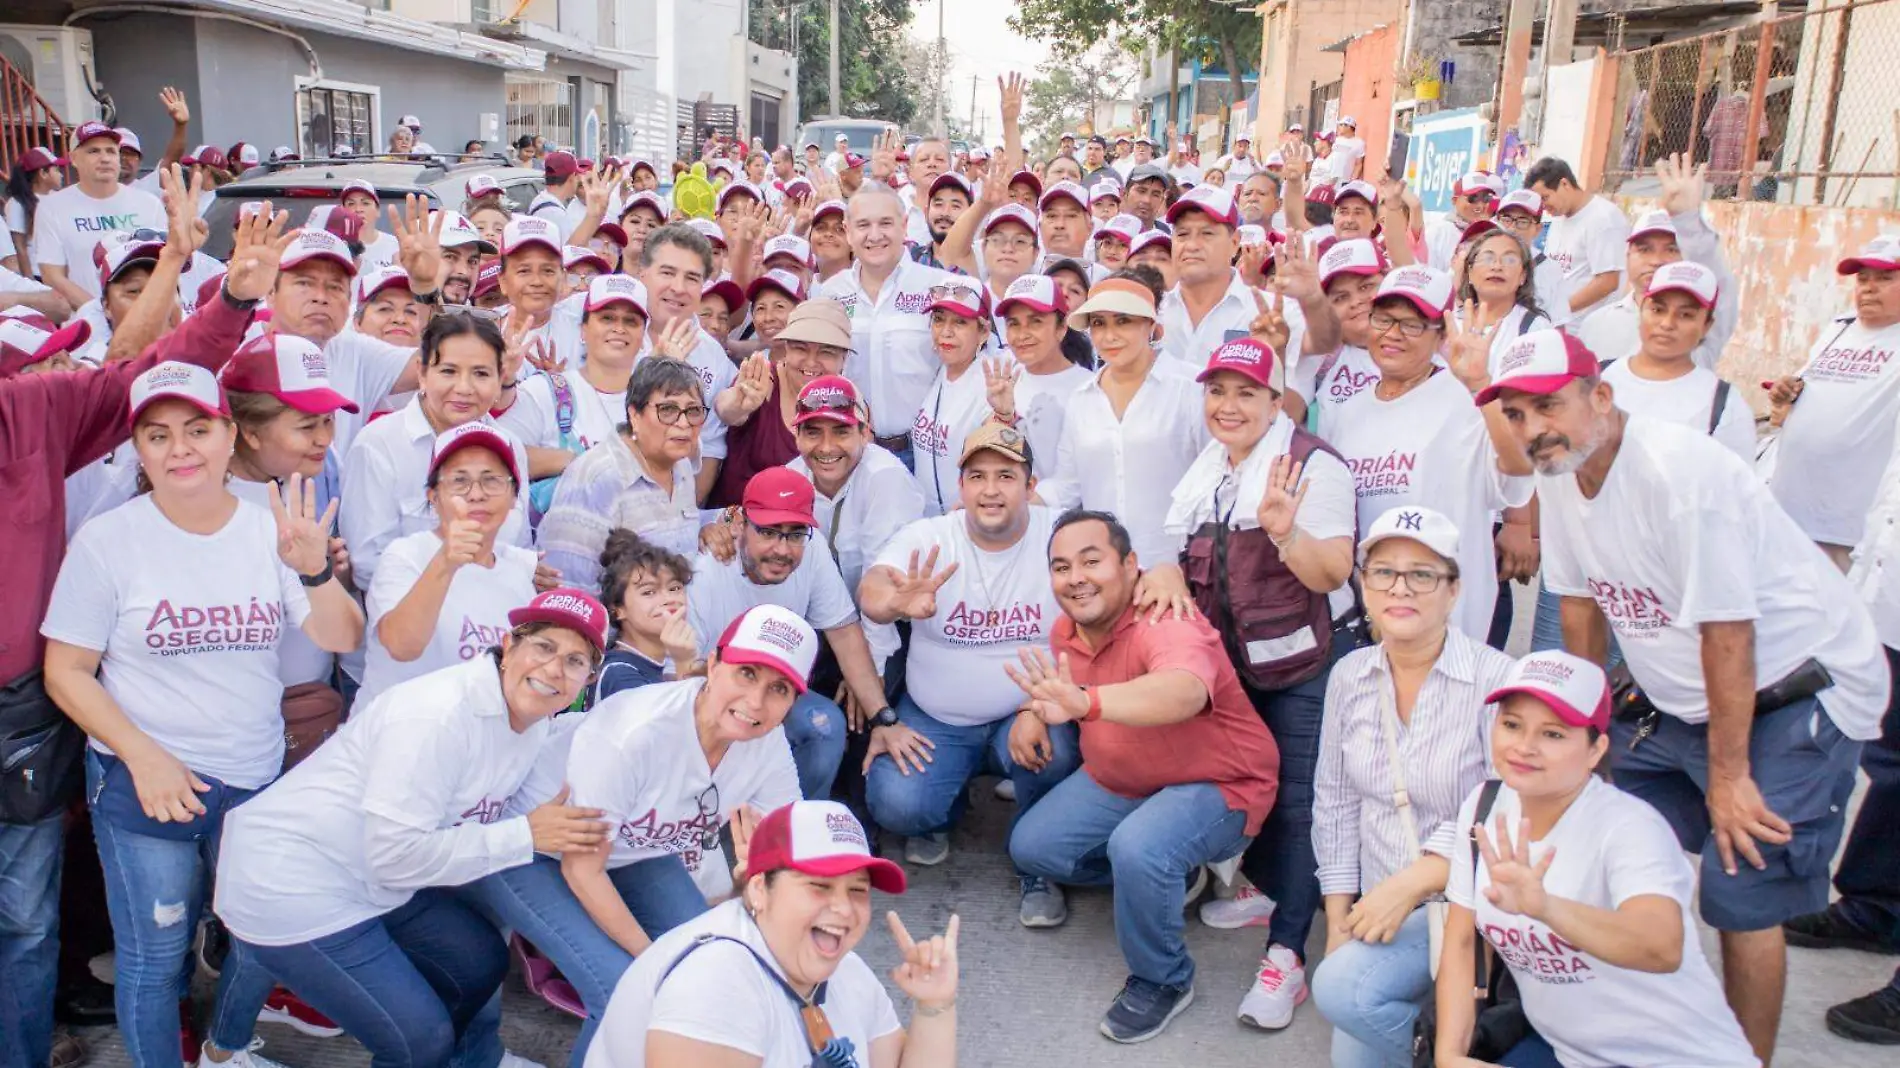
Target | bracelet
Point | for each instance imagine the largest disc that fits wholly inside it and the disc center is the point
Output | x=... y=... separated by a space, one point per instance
x=921 y=1009
x=321 y=577
x=1284 y=544
x=433 y=296
x=224 y=290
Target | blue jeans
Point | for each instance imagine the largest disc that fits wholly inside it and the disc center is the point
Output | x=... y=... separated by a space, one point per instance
x=535 y=902
x=1547 y=627
x=1083 y=835
x=932 y=800
x=815 y=728
x=1869 y=875
x=404 y=984
x=1371 y=992
x=30 y=860
x=155 y=892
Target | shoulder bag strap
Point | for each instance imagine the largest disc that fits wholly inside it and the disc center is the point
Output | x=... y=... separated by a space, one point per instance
x=811 y=1017
x=1480 y=973
x=1721 y=402
x=1389 y=721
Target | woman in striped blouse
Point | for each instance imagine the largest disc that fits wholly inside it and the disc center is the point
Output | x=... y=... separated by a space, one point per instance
x=1382 y=834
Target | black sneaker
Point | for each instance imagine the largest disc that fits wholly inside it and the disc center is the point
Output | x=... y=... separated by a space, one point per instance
x=1143 y=1010
x=214 y=944
x=1830 y=929
x=87 y=1003
x=1874 y=1018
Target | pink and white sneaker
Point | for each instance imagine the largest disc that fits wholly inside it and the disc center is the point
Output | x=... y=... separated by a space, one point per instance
x=1247 y=908
x=284 y=1007
x=1280 y=985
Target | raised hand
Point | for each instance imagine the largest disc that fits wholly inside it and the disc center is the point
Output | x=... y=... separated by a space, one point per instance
x=558 y=827
x=679 y=639
x=1517 y=884
x=1010 y=88
x=514 y=345
x=754 y=381
x=176 y=106
x=464 y=541
x=1269 y=324
x=419 y=240
x=185 y=232
x=1053 y=693
x=303 y=540
x=999 y=386
x=1296 y=271
x=1683 y=183
x=679 y=339
x=916 y=590
x=1469 y=339
x=1280 y=504
x=256 y=249
x=1253 y=264
x=539 y=354
x=884 y=157
x=927 y=971
x=743 y=821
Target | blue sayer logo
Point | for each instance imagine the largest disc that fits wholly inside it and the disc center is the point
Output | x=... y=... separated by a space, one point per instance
x=1411 y=520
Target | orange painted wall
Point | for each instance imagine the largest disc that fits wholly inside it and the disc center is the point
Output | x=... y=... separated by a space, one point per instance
x=1366 y=94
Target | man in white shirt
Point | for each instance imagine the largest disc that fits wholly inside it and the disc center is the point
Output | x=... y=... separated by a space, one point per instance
x=559 y=202
x=1759 y=670
x=841 y=146
x=885 y=294
x=1472 y=198
x=779 y=561
x=975 y=586
x=69 y=223
x=1587 y=241
x=1349 y=152
x=1240 y=164
x=1845 y=401
x=1675 y=231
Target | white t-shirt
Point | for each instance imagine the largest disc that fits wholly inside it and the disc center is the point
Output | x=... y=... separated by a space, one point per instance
x=722 y=996
x=417 y=781
x=1838 y=435
x=996 y=604
x=534 y=417
x=555 y=210
x=891 y=356
x=1041 y=403
x=950 y=411
x=721 y=591
x=364 y=369
x=1347 y=152
x=1682 y=534
x=1430 y=447
x=1326 y=382
x=1594 y=241
x=380 y=251
x=1611 y=847
x=68 y=225
x=1686 y=401
x=473 y=619
x=190 y=626
x=299 y=660
x=15 y=216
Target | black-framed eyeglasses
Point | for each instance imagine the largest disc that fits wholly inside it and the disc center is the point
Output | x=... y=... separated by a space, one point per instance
x=1382 y=323
x=669 y=413
x=1517 y=222
x=788 y=535
x=1418 y=579
x=708 y=803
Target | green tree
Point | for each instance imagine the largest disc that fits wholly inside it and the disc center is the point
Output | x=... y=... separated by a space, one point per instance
x=874 y=82
x=1066 y=92
x=1229 y=34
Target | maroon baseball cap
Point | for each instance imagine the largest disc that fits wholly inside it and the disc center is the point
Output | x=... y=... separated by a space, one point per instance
x=38 y=159
x=290 y=369
x=89 y=130
x=727 y=290
x=568 y=608
x=474 y=435
x=1249 y=357
x=28 y=339
x=487 y=280
x=779 y=495
x=560 y=164
x=337 y=221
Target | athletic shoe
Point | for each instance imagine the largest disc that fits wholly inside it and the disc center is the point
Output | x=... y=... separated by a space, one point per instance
x=1043 y=903
x=1196 y=885
x=1280 y=985
x=190 y=1046
x=1831 y=929
x=284 y=1007
x=1874 y=1019
x=68 y=1050
x=1247 y=908
x=1143 y=1010
x=247 y=1057
x=927 y=850
x=1006 y=789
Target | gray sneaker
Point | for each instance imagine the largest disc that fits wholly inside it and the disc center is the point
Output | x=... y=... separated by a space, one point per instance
x=927 y=850
x=1043 y=903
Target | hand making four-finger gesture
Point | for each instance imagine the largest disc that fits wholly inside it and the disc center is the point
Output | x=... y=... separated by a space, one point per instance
x=1053 y=693
x=916 y=589
x=1280 y=502
x=1517 y=883
x=419 y=240
x=1468 y=339
x=303 y=537
x=999 y=386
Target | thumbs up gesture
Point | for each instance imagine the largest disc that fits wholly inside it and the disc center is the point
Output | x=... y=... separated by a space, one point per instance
x=463 y=539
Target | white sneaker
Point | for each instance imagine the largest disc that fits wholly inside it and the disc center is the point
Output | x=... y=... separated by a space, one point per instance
x=1280 y=985
x=1247 y=908
x=511 y=1059
x=247 y=1057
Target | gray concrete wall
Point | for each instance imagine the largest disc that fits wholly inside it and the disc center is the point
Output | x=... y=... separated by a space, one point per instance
x=136 y=55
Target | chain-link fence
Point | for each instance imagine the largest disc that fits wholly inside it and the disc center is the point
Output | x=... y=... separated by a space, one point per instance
x=1797 y=110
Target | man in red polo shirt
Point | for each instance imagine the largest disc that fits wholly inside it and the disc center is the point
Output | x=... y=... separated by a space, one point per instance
x=1178 y=770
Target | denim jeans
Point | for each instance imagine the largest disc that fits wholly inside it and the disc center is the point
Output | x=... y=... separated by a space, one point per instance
x=1547 y=627
x=1869 y=875
x=815 y=728
x=1371 y=992
x=155 y=891
x=932 y=800
x=535 y=902
x=30 y=861
x=1083 y=835
x=404 y=984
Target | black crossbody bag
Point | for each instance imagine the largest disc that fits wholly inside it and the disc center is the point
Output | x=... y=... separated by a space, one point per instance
x=42 y=753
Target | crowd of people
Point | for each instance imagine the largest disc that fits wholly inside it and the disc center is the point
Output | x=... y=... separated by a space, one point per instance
x=616 y=594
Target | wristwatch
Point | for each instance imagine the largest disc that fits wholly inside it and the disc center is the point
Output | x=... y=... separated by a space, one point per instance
x=321 y=577
x=885 y=717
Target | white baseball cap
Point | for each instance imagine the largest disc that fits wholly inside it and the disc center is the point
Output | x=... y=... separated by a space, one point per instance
x=187 y=382
x=128 y=141
x=410 y=121
x=1522 y=200
x=1212 y=201
x=573 y=256
x=733 y=189
x=1656 y=221
x=607 y=289
x=1476 y=181
x=788 y=245
x=458 y=231
x=1064 y=190
x=1015 y=213
x=1428 y=288
x=822 y=839
x=481 y=185
x=1575 y=689
x=1357 y=255
x=1684 y=276
x=1123 y=227
x=1363 y=189
x=314 y=243
x=525 y=230
x=372 y=282
x=1423 y=525
x=773 y=637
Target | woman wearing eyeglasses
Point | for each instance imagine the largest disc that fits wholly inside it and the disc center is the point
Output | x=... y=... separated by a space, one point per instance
x=386 y=474
x=1403 y=742
x=336 y=881
x=957 y=402
x=667 y=766
x=1498 y=286
x=1416 y=439
x=443 y=596
x=770 y=979
x=816 y=337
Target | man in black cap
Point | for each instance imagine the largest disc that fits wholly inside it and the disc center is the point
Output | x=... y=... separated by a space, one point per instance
x=1095 y=161
x=1146 y=197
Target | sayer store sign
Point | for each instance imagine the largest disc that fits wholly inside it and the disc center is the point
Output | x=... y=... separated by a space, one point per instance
x=1444 y=146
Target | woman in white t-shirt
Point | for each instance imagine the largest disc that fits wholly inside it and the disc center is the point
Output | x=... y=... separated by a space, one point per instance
x=1033 y=311
x=1582 y=891
x=443 y=596
x=37 y=172
x=770 y=979
x=668 y=765
x=162 y=644
x=1349 y=275
x=956 y=402
x=1661 y=380
x=1498 y=281
x=336 y=881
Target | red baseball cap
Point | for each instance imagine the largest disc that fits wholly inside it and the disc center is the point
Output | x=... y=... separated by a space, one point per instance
x=1574 y=688
x=487 y=280
x=291 y=369
x=337 y=221
x=38 y=159
x=770 y=636
x=1250 y=357
x=1542 y=362
x=206 y=155
x=1028 y=178
x=779 y=495
x=831 y=397
x=126 y=252
x=568 y=608
x=475 y=435
x=820 y=838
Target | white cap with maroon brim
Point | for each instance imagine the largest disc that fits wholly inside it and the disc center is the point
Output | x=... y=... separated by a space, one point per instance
x=709 y=230
x=115 y=257
x=525 y=231
x=1015 y=213
x=1685 y=276
x=821 y=839
x=1251 y=235
x=1574 y=688
x=291 y=369
x=779 y=279
x=172 y=380
x=1037 y=292
x=608 y=289
x=314 y=244
x=1423 y=525
x=29 y=338
x=1542 y=362
x=1149 y=238
x=1521 y=200
x=1212 y=201
x=482 y=185
x=129 y=141
x=1356 y=255
x=773 y=637
x=1063 y=191
x=1478 y=182
x=1122 y=228
x=1880 y=254
x=1364 y=190
x=1427 y=288
x=736 y=188
x=829 y=207
x=374 y=281
x=1652 y=222
x=573 y=256
x=645 y=198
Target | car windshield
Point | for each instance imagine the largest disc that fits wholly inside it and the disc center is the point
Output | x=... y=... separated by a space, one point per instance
x=860 y=135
